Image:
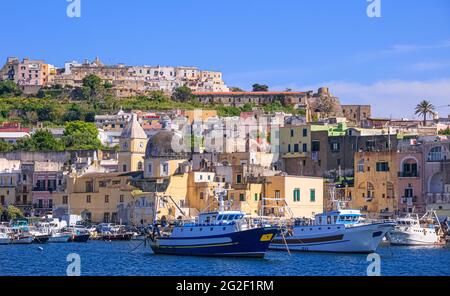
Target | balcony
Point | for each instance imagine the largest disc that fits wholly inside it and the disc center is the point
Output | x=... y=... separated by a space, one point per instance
x=412 y=174
x=408 y=200
x=438 y=198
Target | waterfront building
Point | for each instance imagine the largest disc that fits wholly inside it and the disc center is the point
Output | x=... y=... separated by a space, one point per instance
x=376 y=182
x=436 y=180
x=293 y=196
x=48 y=178
x=9 y=179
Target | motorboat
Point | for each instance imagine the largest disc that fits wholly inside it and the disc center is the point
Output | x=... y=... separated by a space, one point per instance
x=412 y=230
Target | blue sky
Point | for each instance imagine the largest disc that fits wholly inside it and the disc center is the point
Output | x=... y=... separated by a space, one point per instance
x=390 y=62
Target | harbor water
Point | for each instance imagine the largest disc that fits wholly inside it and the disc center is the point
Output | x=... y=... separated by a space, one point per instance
x=120 y=259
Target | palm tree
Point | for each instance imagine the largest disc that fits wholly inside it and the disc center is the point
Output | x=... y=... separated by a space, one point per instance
x=424 y=108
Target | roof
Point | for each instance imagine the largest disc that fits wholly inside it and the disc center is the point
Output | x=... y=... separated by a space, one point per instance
x=133 y=129
x=13 y=134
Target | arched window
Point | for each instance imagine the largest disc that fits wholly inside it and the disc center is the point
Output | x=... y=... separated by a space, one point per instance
x=361 y=165
x=140 y=166
x=435 y=154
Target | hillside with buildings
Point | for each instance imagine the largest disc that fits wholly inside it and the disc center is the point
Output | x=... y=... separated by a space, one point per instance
x=109 y=143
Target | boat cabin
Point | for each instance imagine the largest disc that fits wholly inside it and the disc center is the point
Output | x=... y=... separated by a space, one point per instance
x=220 y=218
x=346 y=217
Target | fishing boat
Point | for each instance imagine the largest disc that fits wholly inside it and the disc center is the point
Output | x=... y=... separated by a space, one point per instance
x=79 y=234
x=5 y=235
x=412 y=230
x=40 y=236
x=60 y=237
x=219 y=233
x=338 y=231
x=21 y=238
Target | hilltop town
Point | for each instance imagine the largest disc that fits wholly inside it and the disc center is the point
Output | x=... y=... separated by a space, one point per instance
x=134 y=144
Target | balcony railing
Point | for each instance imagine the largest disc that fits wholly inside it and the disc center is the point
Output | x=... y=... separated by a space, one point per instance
x=408 y=200
x=438 y=198
x=408 y=174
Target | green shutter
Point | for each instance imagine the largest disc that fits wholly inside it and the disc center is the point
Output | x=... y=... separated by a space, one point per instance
x=256 y=196
x=312 y=194
x=296 y=195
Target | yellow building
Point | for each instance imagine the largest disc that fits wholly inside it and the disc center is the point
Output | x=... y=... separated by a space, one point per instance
x=293 y=196
x=376 y=182
x=133 y=142
x=97 y=197
x=198 y=115
x=295 y=141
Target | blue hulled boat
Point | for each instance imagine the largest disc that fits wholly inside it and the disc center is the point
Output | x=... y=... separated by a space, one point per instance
x=220 y=233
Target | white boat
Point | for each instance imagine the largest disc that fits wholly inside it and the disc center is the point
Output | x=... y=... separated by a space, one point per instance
x=20 y=238
x=342 y=231
x=410 y=231
x=60 y=237
x=339 y=231
x=5 y=235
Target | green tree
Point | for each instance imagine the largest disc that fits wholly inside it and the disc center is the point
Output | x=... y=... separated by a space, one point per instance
x=74 y=113
x=183 y=94
x=9 y=88
x=260 y=87
x=90 y=117
x=13 y=213
x=5 y=146
x=46 y=113
x=424 y=108
x=93 y=87
x=41 y=140
x=236 y=89
x=80 y=135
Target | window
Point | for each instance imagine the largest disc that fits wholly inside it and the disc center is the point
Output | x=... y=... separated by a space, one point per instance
x=435 y=154
x=289 y=147
x=305 y=147
x=256 y=196
x=150 y=169
x=296 y=148
x=305 y=132
x=124 y=168
x=121 y=198
x=277 y=194
x=165 y=169
x=140 y=166
x=65 y=199
x=239 y=179
x=382 y=166
x=361 y=165
x=88 y=199
x=241 y=197
x=312 y=195
x=106 y=198
x=202 y=195
x=2 y=200
x=106 y=218
x=315 y=146
x=292 y=133
x=24 y=177
x=296 y=195
x=335 y=147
